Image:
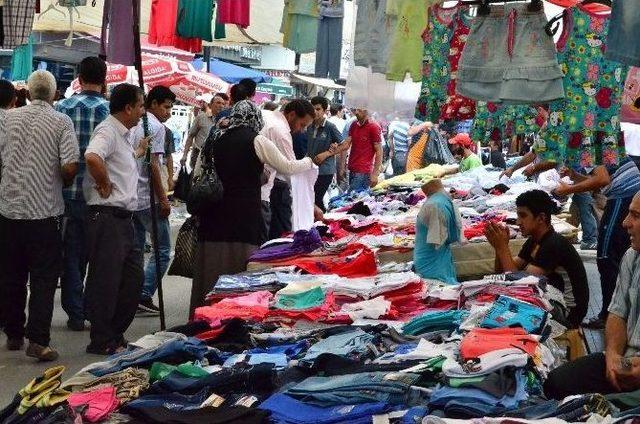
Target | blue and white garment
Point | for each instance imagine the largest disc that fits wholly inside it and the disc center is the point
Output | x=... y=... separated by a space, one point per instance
x=625 y=181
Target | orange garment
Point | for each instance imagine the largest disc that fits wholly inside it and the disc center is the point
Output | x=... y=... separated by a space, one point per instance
x=416 y=153
x=484 y=340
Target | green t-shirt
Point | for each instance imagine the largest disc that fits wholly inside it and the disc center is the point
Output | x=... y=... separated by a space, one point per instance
x=470 y=162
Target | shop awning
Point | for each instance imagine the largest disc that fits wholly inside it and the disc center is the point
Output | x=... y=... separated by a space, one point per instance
x=320 y=82
x=233 y=73
x=276 y=87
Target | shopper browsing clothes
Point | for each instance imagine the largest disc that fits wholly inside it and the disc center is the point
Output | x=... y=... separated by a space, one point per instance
x=115 y=274
x=231 y=231
x=365 y=152
x=544 y=253
x=86 y=110
x=461 y=145
x=39 y=154
x=618 y=368
x=437 y=227
x=158 y=105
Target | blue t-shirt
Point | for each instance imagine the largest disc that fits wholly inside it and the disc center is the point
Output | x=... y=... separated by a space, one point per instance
x=319 y=141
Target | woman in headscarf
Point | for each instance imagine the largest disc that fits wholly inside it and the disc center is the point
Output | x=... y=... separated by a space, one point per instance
x=230 y=231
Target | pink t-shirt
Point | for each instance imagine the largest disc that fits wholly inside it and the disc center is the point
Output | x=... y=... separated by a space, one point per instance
x=234 y=12
x=363 y=141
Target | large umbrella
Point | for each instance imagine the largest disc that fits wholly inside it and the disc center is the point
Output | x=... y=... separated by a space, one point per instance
x=180 y=76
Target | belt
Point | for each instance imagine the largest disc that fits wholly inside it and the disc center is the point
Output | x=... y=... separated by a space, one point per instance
x=112 y=210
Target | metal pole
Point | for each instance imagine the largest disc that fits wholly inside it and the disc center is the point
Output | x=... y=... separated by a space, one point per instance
x=154 y=211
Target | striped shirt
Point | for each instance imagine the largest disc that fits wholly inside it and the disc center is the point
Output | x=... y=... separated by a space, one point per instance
x=35 y=142
x=626 y=300
x=86 y=111
x=398 y=133
x=625 y=180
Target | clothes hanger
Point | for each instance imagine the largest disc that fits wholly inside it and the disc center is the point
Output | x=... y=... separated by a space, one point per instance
x=554 y=23
x=52 y=6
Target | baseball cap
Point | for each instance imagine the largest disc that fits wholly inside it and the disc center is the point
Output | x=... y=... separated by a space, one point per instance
x=461 y=139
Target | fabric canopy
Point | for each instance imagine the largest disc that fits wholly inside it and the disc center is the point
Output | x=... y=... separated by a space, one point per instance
x=233 y=73
x=320 y=82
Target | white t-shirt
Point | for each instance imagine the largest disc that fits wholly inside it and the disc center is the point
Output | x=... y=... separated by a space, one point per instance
x=631 y=138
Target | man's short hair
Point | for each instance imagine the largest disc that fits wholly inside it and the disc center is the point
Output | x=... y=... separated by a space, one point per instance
x=238 y=93
x=538 y=202
x=320 y=100
x=272 y=106
x=335 y=109
x=7 y=93
x=250 y=85
x=160 y=94
x=301 y=108
x=42 y=86
x=222 y=96
x=93 y=70
x=123 y=95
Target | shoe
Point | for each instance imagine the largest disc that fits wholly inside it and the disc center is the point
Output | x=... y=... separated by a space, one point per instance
x=75 y=325
x=588 y=246
x=596 y=323
x=147 y=306
x=42 y=353
x=99 y=350
x=15 y=344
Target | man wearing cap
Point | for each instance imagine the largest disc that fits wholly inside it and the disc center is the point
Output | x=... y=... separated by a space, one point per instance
x=461 y=148
x=201 y=126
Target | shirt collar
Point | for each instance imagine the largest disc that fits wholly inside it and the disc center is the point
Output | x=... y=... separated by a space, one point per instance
x=122 y=130
x=366 y=121
x=91 y=93
x=41 y=103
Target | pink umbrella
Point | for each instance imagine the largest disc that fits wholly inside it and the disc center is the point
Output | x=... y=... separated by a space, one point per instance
x=178 y=75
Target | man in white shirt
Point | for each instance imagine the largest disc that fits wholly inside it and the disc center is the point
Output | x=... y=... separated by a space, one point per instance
x=114 y=278
x=158 y=105
x=337 y=117
x=295 y=117
x=201 y=127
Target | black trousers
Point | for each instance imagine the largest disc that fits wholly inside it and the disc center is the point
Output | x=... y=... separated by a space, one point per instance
x=613 y=242
x=320 y=189
x=280 y=209
x=584 y=375
x=266 y=221
x=114 y=278
x=30 y=251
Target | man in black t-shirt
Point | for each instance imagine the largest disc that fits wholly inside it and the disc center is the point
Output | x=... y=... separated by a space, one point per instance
x=544 y=253
x=497 y=157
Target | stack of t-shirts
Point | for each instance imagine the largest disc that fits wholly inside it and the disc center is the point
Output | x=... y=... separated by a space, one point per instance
x=303 y=242
x=253 y=307
x=434 y=322
x=510 y=312
x=352 y=344
x=290 y=314
x=241 y=284
x=368 y=287
x=422 y=351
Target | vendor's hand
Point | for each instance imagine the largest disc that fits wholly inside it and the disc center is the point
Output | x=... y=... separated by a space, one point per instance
x=613 y=369
x=333 y=148
x=144 y=143
x=562 y=189
x=529 y=171
x=373 y=180
x=104 y=190
x=321 y=157
x=507 y=173
x=497 y=235
x=565 y=172
x=165 y=209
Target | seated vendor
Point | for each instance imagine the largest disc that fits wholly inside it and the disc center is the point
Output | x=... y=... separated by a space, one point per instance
x=544 y=253
x=438 y=226
x=618 y=368
x=461 y=148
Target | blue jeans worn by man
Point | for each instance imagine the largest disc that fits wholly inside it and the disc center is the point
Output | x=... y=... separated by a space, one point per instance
x=142 y=225
x=588 y=221
x=75 y=262
x=359 y=182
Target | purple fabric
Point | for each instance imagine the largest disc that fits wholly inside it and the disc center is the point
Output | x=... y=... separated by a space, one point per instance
x=116 y=44
x=303 y=242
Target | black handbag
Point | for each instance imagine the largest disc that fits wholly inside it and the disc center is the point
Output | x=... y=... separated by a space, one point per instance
x=183 y=185
x=185 y=251
x=206 y=189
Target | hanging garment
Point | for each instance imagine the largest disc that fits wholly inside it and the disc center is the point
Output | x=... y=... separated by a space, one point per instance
x=303 y=199
x=622 y=40
x=162 y=27
x=373 y=34
x=22 y=61
x=194 y=19
x=329 y=42
x=631 y=97
x=457 y=107
x=510 y=58
x=486 y=124
x=300 y=25
x=237 y=12
x=435 y=66
x=411 y=16
x=17 y=22
x=116 y=38
x=584 y=129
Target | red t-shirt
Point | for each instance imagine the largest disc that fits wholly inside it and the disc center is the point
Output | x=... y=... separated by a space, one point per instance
x=363 y=139
x=236 y=12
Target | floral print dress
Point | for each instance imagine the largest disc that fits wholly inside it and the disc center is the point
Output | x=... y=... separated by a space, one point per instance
x=435 y=64
x=584 y=128
x=457 y=107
